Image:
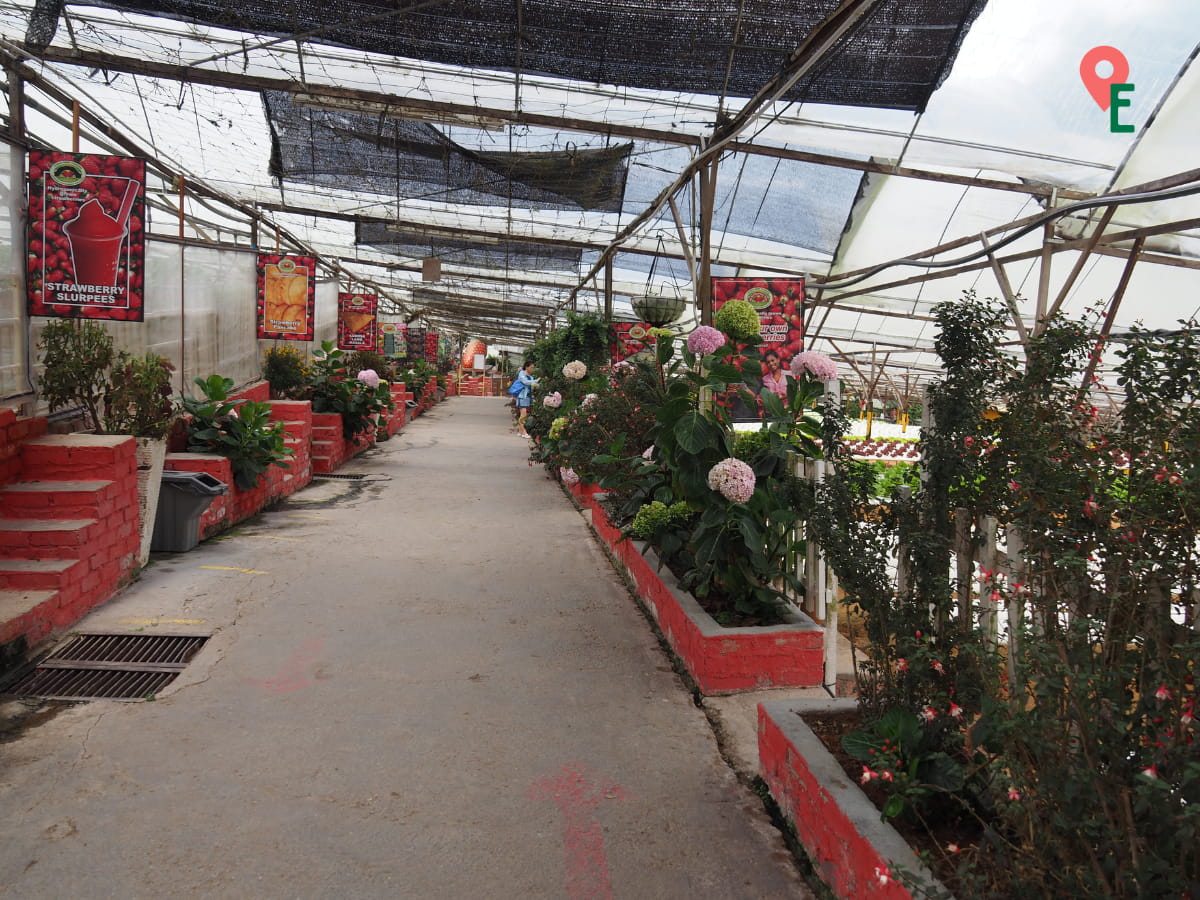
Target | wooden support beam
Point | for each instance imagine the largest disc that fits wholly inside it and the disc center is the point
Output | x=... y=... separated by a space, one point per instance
x=708 y=193
x=1039 y=318
x=608 y=289
x=1081 y=260
x=1010 y=298
x=683 y=241
x=1109 y=317
x=112 y=62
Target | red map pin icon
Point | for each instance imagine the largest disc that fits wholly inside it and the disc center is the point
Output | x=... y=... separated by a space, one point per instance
x=1096 y=85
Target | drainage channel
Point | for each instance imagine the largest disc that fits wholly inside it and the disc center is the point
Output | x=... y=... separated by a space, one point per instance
x=110 y=667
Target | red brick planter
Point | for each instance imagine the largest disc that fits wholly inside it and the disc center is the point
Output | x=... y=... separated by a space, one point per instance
x=838 y=826
x=720 y=660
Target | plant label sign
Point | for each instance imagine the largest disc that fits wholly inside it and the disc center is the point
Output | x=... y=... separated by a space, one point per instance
x=86 y=236
x=358 y=322
x=286 y=296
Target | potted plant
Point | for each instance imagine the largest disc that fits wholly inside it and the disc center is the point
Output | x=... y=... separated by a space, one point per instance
x=77 y=355
x=139 y=400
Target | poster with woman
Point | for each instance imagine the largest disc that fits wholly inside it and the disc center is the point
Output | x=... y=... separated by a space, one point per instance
x=779 y=303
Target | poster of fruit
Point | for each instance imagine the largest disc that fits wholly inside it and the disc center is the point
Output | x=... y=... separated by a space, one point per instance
x=358 y=323
x=431 y=348
x=780 y=306
x=626 y=339
x=86 y=236
x=286 y=296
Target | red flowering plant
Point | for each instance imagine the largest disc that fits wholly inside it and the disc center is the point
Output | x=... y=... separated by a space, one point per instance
x=1057 y=675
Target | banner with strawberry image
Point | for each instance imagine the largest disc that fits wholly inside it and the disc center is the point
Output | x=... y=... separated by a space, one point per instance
x=286 y=296
x=86 y=236
x=779 y=303
x=358 y=322
x=626 y=339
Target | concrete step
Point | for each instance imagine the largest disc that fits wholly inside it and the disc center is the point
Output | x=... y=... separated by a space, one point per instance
x=26 y=613
x=39 y=574
x=46 y=538
x=57 y=499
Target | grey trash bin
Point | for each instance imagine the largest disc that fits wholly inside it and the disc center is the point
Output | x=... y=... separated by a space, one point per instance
x=183 y=499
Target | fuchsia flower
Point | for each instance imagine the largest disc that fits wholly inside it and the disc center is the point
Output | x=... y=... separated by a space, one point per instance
x=1014 y=794
x=818 y=365
x=937 y=667
x=952 y=848
x=705 y=340
x=369 y=377
x=902 y=665
x=1090 y=506
x=885 y=775
x=1013 y=486
x=733 y=479
x=882 y=875
x=1150 y=771
x=1163 y=693
x=867 y=775
x=928 y=714
x=956 y=711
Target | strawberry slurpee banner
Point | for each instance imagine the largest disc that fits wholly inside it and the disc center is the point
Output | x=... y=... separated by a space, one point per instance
x=86 y=236
x=286 y=296
x=358 y=323
x=628 y=339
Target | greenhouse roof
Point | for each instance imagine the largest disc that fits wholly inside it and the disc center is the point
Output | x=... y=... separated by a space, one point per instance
x=527 y=144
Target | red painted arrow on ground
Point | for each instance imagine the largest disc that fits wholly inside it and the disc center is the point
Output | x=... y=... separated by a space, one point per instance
x=577 y=793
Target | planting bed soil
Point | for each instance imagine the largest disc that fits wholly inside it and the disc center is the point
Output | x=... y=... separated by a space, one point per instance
x=930 y=842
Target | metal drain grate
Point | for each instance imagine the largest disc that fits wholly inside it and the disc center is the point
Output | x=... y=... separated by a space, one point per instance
x=110 y=666
x=338 y=476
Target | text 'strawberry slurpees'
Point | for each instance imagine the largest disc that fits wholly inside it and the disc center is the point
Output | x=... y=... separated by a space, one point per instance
x=85 y=244
x=95 y=239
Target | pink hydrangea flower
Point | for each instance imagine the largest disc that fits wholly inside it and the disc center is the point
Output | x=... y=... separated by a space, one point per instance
x=369 y=377
x=568 y=476
x=705 y=340
x=733 y=479
x=816 y=365
x=552 y=401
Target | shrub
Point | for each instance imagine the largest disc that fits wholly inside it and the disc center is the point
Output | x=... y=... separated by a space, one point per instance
x=77 y=354
x=138 y=399
x=739 y=320
x=285 y=370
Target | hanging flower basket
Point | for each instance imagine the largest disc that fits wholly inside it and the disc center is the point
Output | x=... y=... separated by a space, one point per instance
x=659 y=309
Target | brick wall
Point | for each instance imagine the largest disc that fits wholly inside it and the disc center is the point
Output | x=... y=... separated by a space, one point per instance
x=14 y=430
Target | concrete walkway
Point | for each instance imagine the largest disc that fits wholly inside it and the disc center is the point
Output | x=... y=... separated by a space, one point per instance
x=425 y=684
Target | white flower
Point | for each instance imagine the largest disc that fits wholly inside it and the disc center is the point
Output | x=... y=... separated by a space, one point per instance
x=574 y=370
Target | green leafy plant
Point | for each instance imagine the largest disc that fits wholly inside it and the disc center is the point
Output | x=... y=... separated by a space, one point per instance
x=584 y=337
x=739 y=320
x=334 y=390
x=77 y=354
x=242 y=431
x=138 y=399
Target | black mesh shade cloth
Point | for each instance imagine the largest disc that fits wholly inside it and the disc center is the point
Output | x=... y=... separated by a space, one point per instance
x=894 y=60
x=501 y=253
x=414 y=160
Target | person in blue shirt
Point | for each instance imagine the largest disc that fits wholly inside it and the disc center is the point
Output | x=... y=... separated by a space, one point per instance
x=525 y=398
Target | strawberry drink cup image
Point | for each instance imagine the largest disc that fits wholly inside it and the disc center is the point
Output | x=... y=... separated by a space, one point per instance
x=95 y=239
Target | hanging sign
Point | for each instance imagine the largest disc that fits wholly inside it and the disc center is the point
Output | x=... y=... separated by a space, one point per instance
x=414 y=344
x=86 y=236
x=780 y=306
x=358 y=323
x=286 y=296
x=431 y=348
x=626 y=339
